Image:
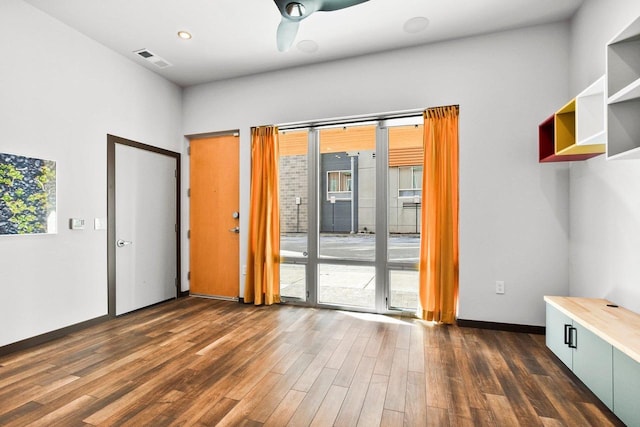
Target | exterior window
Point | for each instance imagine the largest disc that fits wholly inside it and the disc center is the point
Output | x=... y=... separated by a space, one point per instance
x=410 y=181
x=339 y=185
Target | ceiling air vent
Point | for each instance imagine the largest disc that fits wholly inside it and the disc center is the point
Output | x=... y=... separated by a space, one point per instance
x=153 y=58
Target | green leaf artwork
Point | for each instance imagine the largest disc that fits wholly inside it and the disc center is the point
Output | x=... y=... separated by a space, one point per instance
x=27 y=195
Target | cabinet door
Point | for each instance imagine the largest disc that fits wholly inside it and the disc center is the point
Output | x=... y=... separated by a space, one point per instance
x=593 y=363
x=626 y=385
x=555 y=334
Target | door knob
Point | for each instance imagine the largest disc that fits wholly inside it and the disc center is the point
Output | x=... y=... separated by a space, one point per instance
x=121 y=243
x=235 y=230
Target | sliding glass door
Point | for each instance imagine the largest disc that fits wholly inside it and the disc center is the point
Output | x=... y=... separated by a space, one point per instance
x=350 y=200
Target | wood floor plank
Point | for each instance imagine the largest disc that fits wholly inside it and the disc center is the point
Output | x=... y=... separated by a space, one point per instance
x=397 y=389
x=257 y=370
x=438 y=389
x=350 y=410
x=340 y=354
x=241 y=411
x=387 y=350
x=307 y=409
x=437 y=417
x=416 y=350
x=415 y=411
x=330 y=406
x=502 y=410
x=316 y=366
x=63 y=415
x=286 y=409
x=371 y=414
x=201 y=362
x=273 y=399
x=395 y=419
x=351 y=362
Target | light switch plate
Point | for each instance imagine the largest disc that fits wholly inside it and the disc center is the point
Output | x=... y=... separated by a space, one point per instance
x=76 y=223
x=99 y=223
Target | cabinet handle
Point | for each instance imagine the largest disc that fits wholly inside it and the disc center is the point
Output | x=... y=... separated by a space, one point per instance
x=573 y=338
x=567 y=338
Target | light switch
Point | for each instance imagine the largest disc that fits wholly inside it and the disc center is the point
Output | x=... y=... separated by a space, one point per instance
x=99 y=223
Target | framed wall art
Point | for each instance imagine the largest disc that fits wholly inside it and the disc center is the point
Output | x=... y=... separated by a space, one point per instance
x=27 y=195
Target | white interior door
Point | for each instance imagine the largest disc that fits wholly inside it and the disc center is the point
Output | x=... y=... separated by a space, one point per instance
x=145 y=204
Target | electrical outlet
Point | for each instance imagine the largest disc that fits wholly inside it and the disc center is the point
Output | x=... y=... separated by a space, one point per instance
x=499 y=287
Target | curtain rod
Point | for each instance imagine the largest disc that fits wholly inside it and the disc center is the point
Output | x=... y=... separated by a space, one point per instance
x=356 y=120
x=348 y=121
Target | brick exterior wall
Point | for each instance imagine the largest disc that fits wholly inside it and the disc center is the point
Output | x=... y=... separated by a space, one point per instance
x=293 y=183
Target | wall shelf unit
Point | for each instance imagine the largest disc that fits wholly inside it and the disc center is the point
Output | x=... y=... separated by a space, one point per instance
x=577 y=130
x=623 y=89
x=590 y=115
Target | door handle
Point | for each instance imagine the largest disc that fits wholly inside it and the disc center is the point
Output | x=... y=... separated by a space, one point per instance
x=573 y=338
x=235 y=230
x=122 y=243
x=567 y=332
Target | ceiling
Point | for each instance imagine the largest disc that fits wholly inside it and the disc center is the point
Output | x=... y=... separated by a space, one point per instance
x=234 y=38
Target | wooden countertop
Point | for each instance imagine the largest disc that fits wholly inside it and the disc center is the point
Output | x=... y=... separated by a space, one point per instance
x=618 y=326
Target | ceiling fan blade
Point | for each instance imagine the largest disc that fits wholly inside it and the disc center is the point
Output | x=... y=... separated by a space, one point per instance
x=287 y=31
x=329 y=5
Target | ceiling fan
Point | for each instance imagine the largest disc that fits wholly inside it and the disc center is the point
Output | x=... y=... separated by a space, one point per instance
x=295 y=11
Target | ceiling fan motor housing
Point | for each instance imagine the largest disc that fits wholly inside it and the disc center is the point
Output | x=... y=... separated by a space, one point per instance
x=295 y=9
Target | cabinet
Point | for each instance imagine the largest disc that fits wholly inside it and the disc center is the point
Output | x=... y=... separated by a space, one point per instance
x=558 y=334
x=600 y=343
x=588 y=356
x=592 y=363
x=623 y=89
x=626 y=383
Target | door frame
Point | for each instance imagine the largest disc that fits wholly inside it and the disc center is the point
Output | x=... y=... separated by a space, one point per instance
x=382 y=265
x=112 y=140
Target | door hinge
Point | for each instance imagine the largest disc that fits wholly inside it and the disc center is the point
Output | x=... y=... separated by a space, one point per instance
x=188 y=150
x=176 y=281
x=175 y=227
x=175 y=173
x=188 y=192
x=188 y=234
x=188 y=275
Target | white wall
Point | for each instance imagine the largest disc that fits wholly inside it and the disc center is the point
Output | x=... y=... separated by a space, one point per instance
x=605 y=195
x=61 y=95
x=514 y=211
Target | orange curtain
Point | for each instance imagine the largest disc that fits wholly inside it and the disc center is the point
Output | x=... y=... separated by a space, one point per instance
x=439 y=242
x=262 y=284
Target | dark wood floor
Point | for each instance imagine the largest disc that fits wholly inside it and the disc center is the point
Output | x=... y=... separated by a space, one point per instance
x=204 y=362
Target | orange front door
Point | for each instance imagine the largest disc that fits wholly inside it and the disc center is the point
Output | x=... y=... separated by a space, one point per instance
x=214 y=243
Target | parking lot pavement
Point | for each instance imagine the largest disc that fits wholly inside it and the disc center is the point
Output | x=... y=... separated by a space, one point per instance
x=401 y=247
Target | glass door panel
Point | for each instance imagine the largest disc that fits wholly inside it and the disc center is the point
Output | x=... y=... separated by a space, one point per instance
x=403 y=286
x=347 y=285
x=404 y=212
x=293 y=281
x=347 y=171
x=294 y=203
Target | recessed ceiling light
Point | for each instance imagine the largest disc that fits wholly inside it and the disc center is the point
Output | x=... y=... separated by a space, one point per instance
x=415 y=25
x=185 y=35
x=307 y=46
